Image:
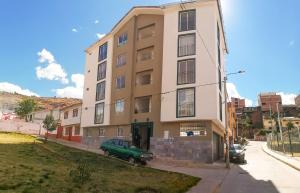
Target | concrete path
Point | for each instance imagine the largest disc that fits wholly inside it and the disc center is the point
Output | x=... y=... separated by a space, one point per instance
x=261 y=174
x=289 y=160
x=211 y=175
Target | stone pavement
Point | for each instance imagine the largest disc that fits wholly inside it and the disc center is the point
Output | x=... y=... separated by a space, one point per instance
x=294 y=162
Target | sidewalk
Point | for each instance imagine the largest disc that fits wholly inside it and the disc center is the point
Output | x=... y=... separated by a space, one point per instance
x=291 y=161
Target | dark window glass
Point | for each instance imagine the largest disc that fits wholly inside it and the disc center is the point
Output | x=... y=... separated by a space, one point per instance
x=221 y=107
x=122 y=39
x=100 y=91
x=186 y=102
x=187 y=20
x=120 y=82
x=186 y=72
x=101 y=71
x=102 y=52
x=99 y=113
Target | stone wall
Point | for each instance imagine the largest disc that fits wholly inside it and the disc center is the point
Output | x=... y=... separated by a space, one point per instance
x=183 y=148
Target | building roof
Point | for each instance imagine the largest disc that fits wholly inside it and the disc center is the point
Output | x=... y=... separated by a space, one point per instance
x=135 y=8
x=72 y=105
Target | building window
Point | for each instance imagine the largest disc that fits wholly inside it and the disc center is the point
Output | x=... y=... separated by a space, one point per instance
x=186 y=102
x=186 y=72
x=145 y=54
x=120 y=132
x=119 y=106
x=99 y=113
x=122 y=39
x=77 y=130
x=142 y=105
x=102 y=52
x=221 y=107
x=220 y=79
x=120 y=82
x=146 y=32
x=66 y=114
x=100 y=91
x=101 y=71
x=68 y=131
x=144 y=78
x=101 y=132
x=121 y=60
x=192 y=129
x=186 y=45
x=75 y=112
x=187 y=20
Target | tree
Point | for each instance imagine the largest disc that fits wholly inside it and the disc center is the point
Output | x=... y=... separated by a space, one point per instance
x=290 y=126
x=49 y=124
x=25 y=107
x=246 y=124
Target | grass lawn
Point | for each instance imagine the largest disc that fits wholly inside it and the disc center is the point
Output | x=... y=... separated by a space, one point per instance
x=40 y=167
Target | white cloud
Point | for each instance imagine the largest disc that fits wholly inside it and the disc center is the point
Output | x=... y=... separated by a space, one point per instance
x=233 y=92
x=99 y=36
x=11 y=88
x=74 y=30
x=72 y=91
x=53 y=70
x=45 y=56
x=291 y=43
x=287 y=98
x=96 y=21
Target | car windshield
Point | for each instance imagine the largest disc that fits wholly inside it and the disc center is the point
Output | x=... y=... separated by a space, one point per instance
x=237 y=146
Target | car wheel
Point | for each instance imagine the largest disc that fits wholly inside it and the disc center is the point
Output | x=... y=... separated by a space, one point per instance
x=106 y=153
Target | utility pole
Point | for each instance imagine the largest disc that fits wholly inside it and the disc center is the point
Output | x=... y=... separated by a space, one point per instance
x=280 y=128
x=226 y=125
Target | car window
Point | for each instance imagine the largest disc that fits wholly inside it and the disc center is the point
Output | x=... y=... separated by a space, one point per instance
x=237 y=147
x=126 y=143
x=120 y=143
x=115 y=142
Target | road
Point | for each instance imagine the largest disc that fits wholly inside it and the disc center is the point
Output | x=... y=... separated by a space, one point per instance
x=261 y=174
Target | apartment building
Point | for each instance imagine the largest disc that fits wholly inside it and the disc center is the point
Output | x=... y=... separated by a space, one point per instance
x=156 y=79
x=69 y=125
x=270 y=102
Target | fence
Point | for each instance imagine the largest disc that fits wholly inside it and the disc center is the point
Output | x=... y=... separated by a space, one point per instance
x=289 y=144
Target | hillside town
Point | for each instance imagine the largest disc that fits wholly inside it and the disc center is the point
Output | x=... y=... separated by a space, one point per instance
x=153 y=112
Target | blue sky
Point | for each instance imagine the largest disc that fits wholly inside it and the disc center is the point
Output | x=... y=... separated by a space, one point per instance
x=263 y=39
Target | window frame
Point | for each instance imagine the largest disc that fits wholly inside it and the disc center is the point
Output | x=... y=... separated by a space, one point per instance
x=75 y=114
x=142 y=73
x=104 y=83
x=66 y=114
x=118 y=129
x=149 y=107
x=96 y=105
x=118 y=101
x=179 y=20
x=101 y=134
x=76 y=127
x=98 y=74
x=125 y=34
x=105 y=57
x=181 y=35
x=123 y=77
x=194 y=59
x=117 y=62
x=177 y=100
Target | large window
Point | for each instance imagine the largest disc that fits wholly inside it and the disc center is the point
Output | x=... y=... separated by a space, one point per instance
x=186 y=72
x=101 y=71
x=142 y=105
x=186 y=45
x=186 y=102
x=119 y=106
x=122 y=39
x=121 y=60
x=99 y=113
x=100 y=91
x=145 y=54
x=102 y=52
x=146 y=32
x=187 y=20
x=75 y=112
x=144 y=78
x=120 y=82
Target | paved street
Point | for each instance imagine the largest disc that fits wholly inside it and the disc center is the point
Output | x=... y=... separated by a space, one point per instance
x=262 y=174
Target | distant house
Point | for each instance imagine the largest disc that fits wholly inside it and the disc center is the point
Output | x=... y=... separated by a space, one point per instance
x=69 y=128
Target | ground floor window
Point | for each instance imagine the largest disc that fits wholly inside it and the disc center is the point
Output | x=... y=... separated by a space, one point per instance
x=120 y=132
x=68 y=130
x=77 y=130
x=101 y=132
x=192 y=129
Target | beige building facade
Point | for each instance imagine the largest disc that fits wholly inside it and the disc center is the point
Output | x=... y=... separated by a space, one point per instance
x=153 y=81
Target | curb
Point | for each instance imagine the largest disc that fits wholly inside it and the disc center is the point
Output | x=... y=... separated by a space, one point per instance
x=279 y=159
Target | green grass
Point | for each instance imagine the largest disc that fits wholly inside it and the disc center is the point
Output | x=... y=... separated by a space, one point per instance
x=27 y=165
